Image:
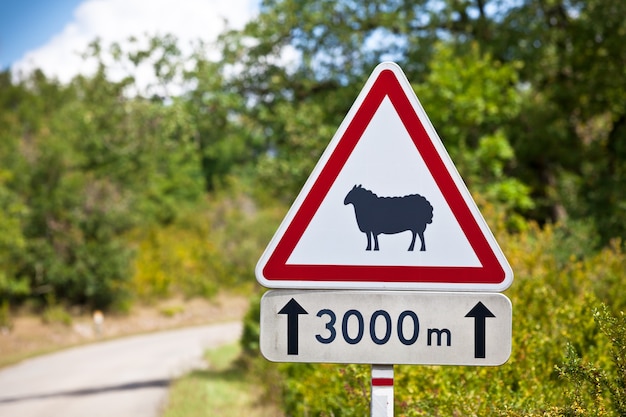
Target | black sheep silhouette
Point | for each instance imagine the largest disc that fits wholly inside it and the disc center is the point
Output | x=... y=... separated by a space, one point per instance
x=390 y=215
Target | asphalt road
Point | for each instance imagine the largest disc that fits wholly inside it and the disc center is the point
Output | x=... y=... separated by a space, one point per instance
x=126 y=377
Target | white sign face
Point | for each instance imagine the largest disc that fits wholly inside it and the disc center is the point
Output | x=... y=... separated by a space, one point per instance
x=386 y=327
x=333 y=236
x=385 y=208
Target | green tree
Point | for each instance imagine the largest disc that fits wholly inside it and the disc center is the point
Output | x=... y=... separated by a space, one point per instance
x=307 y=62
x=470 y=97
x=567 y=135
x=216 y=114
x=90 y=161
x=564 y=139
x=13 y=211
x=73 y=252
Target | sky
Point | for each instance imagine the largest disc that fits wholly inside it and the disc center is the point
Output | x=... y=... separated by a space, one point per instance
x=50 y=34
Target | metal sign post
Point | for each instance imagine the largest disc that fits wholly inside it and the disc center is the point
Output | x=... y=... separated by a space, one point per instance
x=381 y=404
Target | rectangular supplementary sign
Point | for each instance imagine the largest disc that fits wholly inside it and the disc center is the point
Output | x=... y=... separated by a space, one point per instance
x=386 y=327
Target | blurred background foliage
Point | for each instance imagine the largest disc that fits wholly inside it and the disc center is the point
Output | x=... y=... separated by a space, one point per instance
x=114 y=190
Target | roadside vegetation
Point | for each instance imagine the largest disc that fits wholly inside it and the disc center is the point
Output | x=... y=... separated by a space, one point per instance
x=569 y=339
x=116 y=192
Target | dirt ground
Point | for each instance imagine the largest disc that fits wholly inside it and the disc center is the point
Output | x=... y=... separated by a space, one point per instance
x=30 y=336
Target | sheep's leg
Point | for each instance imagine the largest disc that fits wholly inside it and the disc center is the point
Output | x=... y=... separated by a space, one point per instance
x=423 y=248
x=412 y=245
x=369 y=241
x=375 y=241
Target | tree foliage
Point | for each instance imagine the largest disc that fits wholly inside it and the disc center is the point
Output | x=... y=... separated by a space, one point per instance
x=92 y=164
x=541 y=81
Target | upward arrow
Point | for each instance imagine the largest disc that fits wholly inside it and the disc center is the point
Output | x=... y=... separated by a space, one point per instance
x=480 y=314
x=292 y=309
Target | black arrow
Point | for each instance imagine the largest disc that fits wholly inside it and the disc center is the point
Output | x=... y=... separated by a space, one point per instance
x=292 y=309
x=480 y=314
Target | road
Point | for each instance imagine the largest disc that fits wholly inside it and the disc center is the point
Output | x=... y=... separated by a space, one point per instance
x=126 y=377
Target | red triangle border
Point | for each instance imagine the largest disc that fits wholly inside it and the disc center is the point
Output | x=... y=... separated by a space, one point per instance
x=276 y=268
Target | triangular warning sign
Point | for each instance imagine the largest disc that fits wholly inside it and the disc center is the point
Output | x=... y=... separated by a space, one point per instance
x=385 y=208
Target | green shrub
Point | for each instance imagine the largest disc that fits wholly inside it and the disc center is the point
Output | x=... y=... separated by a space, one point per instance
x=171 y=311
x=177 y=260
x=215 y=246
x=6 y=323
x=597 y=386
x=251 y=330
x=56 y=314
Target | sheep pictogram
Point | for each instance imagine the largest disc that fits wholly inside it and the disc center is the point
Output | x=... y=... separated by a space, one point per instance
x=390 y=215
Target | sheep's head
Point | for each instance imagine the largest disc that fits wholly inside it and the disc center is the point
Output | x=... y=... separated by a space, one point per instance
x=351 y=194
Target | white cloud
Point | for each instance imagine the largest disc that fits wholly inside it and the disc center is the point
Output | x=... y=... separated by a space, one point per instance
x=117 y=20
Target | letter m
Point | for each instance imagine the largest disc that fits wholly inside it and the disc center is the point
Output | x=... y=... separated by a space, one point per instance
x=439 y=334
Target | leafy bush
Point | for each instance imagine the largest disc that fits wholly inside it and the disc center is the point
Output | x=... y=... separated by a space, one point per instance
x=6 y=323
x=213 y=246
x=598 y=389
x=251 y=331
x=174 y=260
x=55 y=313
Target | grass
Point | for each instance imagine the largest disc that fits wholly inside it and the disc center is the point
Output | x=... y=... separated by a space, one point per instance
x=223 y=390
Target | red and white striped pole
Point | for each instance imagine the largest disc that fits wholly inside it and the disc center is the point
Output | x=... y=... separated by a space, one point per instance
x=382 y=391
